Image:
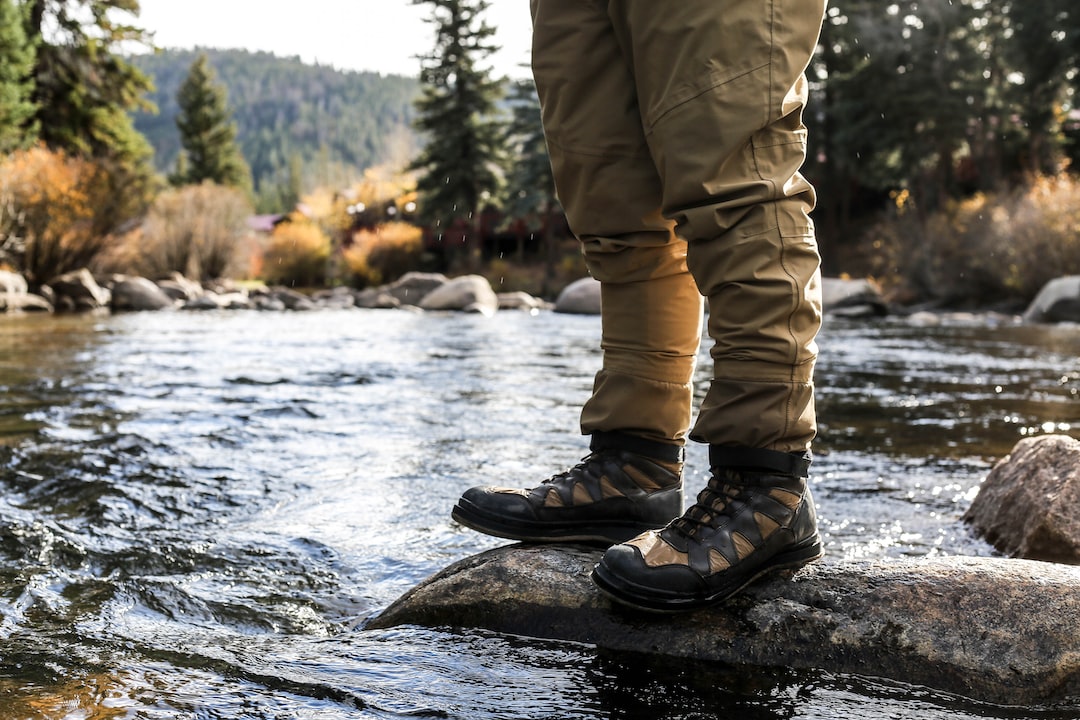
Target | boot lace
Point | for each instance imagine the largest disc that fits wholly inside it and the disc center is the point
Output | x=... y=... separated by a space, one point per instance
x=583 y=470
x=711 y=505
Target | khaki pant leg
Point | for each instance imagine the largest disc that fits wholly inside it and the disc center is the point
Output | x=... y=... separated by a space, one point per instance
x=610 y=189
x=721 y=86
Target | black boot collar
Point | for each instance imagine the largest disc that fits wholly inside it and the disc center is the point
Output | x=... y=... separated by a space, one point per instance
x=606 y=440
x=744 y=458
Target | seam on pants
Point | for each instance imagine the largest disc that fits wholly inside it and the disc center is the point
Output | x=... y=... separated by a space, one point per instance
x=680 y=100
x=617 y=369
x=772 y=52
x=789 y=403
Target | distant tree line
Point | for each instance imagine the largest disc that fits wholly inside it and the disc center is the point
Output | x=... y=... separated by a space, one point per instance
x=298 y=126
x=924 y=114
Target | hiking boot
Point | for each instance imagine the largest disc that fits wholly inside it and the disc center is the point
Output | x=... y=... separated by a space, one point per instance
x=625 y=486
x=754 y=517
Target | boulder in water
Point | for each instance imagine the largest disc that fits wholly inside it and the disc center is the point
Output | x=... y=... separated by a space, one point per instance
x=79 y=291
x=468 y=293
x=139 y=294
x=992 y=629
x=1057 y=301
x=1029 y=504
x=581 y=297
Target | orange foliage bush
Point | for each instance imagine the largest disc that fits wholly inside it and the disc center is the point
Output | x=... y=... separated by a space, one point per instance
x=987 y=248
x=383 y=254
x=298 y=254
x=48 y=202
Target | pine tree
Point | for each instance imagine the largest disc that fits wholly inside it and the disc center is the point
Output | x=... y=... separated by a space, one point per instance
x=530 y=182
x=84 y=88
x=17 y=110
x=1043 y=49
x=465 y=149
x=207 y=132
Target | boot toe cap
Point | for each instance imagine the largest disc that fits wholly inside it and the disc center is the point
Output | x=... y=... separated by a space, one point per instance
x=624 y=566
x=502 y=502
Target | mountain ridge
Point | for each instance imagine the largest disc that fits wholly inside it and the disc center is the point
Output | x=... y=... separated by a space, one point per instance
x=299 y=125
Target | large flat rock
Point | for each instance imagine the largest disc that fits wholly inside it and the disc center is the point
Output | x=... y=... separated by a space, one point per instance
x=995 y=630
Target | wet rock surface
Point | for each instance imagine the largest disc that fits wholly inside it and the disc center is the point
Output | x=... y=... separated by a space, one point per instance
x=1029 y=504
x=581 y=297
x=995 y=630
x=1057 y=301
x=79 y=291
x=468 y=293
x=852 y=298
x=139 y=294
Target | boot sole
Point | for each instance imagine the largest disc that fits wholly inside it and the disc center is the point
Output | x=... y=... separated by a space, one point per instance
x=606 y=534
x=650 y=600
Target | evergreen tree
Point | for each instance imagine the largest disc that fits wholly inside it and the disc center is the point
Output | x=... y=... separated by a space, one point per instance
x=902 y=91
x=84 y=88
x=1042 y=51
x=530 y=182
x=17 y=110
x=207 y=132
x=461 y=161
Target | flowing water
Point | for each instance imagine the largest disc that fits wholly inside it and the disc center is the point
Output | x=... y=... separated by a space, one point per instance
x=198 y=512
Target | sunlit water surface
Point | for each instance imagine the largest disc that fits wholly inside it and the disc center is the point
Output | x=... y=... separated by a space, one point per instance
x=198 y=512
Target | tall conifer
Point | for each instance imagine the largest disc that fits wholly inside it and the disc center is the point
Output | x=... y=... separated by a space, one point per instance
x=530 y=182
x=207 y=132
x=84 y=86
x=83 y=90
x=17 y=110
x=457 y=112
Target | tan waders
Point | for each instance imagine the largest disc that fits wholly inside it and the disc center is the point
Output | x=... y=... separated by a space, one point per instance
x=675 y=133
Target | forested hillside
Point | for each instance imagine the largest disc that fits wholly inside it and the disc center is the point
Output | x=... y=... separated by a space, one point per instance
x=299 y=125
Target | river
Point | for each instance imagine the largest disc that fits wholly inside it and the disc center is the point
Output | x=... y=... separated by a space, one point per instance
x=198 y=512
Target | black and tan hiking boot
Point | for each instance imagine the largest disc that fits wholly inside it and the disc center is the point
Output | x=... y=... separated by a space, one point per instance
x=754 y=517
x=626 y=485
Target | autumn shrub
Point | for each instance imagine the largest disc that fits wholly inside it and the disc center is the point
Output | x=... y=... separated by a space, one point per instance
x=48 y=202
x=383 y=254
x=986 y=249
x=298 y=254
x=1042 y=230
x=195 y=230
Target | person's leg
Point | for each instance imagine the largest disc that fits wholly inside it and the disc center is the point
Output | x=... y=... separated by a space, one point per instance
x=610 y=190
x=722 y=90
x=640 y=408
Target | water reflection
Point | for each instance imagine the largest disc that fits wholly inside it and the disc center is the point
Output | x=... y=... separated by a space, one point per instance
x=198 y=512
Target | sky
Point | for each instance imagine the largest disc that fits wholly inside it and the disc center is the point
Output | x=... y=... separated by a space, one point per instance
x=383 y=36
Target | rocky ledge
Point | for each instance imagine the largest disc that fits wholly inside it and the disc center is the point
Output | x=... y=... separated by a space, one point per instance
x=991 y=629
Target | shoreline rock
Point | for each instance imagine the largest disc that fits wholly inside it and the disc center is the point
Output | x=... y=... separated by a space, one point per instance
x=138 y=294
x=468 y=293
x=990 y=629
x=1029 y=504
x=1057 y=301
x=78 y=291
x=845 y=297
x=581 y=297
